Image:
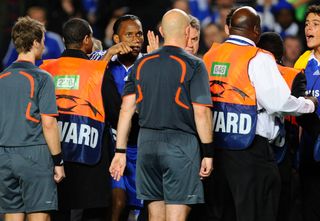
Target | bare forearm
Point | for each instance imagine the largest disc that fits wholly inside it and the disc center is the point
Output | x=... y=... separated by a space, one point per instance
x=52 y=137
x=107 y=57
x=123 y=129
x=203 y=119
x=128 y=108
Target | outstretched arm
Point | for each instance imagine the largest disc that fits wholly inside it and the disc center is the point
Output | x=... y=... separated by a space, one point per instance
x=120 y=48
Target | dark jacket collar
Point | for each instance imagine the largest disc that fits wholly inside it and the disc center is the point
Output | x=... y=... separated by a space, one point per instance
x=74 y=53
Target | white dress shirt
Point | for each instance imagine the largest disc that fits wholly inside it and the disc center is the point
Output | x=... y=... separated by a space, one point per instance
x=272 y=93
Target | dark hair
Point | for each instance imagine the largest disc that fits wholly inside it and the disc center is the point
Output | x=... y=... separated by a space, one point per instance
x=24 y=32
x=123 y=18
x=272 y=42
x=194 y=22
x=74 y=31
x=313 y=9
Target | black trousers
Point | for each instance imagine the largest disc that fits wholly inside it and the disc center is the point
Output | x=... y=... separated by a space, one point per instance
x=310 y=183
x=310 y=197
x=310 y=178
x=92 y=214
x=245 y=184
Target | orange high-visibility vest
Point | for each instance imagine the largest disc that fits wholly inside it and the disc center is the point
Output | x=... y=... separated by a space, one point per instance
x=233 y=96
x=81 y=118
x=289 y=75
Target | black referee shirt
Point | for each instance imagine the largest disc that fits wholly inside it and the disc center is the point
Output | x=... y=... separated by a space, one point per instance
x=166 y=83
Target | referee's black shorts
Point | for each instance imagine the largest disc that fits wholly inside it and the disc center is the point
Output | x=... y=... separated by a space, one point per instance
x=168 y=166
x=26 y=180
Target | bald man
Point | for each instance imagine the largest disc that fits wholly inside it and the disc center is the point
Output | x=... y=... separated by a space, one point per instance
x=170 y=90
x=247 y=92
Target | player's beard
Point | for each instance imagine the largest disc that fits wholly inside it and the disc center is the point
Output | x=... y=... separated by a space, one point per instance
x=129 y=57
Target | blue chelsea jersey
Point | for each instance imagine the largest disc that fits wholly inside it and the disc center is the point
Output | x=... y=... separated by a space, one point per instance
x=117 y=69
x=119 y=72
x=312 y=73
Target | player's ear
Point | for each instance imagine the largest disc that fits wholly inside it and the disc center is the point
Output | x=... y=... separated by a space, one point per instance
x=161 y=32
x=116 y=38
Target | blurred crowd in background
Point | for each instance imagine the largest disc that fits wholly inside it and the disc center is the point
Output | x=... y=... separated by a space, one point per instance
x=285 y=17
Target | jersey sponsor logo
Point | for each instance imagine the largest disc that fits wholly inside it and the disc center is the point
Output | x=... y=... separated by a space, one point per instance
x=67 y=82
x=219 y=69
x=78 y=134
x=316 y=72
x=314 y=93
x=232 y=122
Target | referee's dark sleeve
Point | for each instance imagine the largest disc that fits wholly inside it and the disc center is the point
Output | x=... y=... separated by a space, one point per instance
x=111 y=100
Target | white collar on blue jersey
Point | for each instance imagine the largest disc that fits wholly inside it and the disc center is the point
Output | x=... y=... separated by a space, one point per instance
x=115 y=58
x=312 y=56
x=236 y=39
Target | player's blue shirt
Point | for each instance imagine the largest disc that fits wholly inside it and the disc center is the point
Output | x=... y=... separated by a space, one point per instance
x=119 y=72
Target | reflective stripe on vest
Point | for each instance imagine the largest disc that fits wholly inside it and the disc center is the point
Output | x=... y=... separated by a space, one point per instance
x=233 y=96
x=81 y=118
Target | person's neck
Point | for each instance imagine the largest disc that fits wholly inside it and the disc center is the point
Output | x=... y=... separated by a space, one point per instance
x=317 y=53
x=243 y=33
x=287 y=62
x=174 y=42
x=71 y=47
x=26 y=57
x=127 y=60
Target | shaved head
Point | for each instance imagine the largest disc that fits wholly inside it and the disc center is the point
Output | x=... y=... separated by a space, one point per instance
x=174 y=27
x=245 y=22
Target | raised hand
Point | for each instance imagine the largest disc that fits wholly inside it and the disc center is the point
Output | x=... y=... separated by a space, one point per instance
x=153 y=41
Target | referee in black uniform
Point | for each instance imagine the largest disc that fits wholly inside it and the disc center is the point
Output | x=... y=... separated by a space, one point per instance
x=170 y=90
